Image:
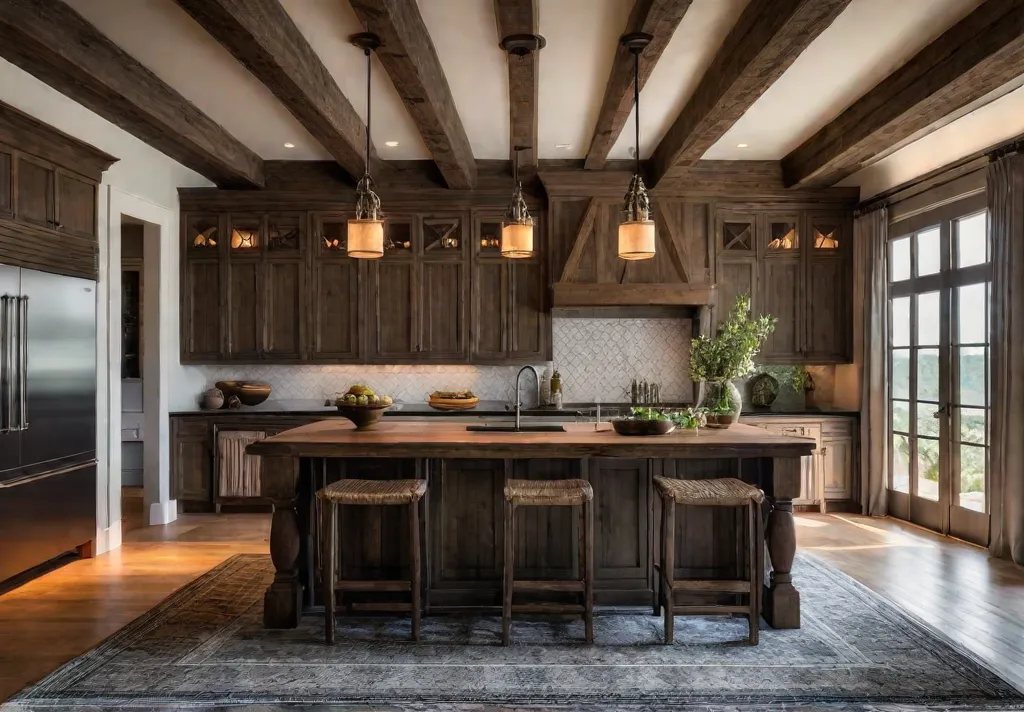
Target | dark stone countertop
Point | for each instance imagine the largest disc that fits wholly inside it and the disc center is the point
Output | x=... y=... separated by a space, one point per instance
x=486 y=408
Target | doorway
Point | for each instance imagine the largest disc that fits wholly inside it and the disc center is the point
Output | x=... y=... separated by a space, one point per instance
x=939 y=404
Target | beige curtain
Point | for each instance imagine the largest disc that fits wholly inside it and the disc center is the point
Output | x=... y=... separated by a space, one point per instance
x=871 y=231
x=1006 y=225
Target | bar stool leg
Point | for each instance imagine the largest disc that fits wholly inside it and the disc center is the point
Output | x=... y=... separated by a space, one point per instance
x=668 y=512
x=659 y=565
x=588 y=585
x=509 y=566
x=754 y=615
x=414 y=565
x=328 y=519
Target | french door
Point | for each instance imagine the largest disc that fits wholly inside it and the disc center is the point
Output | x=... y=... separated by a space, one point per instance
x=939 y=403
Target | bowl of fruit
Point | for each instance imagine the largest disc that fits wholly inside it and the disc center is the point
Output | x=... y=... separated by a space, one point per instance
x=362 y=406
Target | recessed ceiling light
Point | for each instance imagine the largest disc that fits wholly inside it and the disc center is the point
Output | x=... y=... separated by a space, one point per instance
x=741 y=145
x=391 y=144
x=289 y=145
x=563 y=145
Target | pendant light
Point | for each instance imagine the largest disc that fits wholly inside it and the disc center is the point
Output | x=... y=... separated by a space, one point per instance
x=517 y=227
x=636 y=231
x=366 y=230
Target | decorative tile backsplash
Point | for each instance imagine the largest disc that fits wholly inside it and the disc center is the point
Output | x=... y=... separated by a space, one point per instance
x=596 y=357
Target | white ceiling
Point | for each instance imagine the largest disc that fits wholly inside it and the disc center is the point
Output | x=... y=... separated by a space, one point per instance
x=868 y=41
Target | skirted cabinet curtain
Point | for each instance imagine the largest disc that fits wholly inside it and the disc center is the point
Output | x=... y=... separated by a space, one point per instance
x=1006 y=223
x=871 y=335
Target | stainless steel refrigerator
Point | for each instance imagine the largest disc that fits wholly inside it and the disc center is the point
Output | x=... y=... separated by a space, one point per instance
x=47 y=416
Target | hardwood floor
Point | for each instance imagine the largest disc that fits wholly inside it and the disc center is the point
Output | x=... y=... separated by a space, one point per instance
x=976 y=600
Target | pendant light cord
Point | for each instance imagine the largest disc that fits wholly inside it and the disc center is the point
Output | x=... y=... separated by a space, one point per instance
x=369 y=107
x=636 y=104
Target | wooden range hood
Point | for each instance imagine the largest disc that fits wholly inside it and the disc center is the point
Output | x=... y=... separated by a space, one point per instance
x=584 y=211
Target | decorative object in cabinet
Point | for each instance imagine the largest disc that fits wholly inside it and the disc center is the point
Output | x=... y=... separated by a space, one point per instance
x=442 y=234
x=245 y=233
x=284 y=232
x=636 y=231
x=366 y=229
x=825 y=236
x=517 y=227
x=202 y=232
x=398 y=237
x=783 y=236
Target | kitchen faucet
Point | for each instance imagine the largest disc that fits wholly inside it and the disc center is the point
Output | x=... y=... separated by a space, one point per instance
x=519 y=404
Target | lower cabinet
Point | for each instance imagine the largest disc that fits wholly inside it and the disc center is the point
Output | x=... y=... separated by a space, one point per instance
x=829 y=472
x=191 y=461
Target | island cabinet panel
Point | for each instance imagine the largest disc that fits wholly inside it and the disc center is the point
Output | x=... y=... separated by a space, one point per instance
x=547 y=542
x=465 y=531
x=622 y=529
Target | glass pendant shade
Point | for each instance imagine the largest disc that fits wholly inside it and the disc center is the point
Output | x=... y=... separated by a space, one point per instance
x=365 y=238
x=517 y=239
x=636 y=240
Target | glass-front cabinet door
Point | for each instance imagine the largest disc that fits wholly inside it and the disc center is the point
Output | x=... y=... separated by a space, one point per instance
x=939 y=401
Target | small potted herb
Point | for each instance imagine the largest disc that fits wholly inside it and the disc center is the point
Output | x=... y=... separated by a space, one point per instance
x=690 y=420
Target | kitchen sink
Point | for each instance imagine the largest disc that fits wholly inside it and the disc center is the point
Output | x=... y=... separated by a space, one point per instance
x=511 y=428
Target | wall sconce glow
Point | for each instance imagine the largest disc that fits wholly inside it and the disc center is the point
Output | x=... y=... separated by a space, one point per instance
x=391 y=144
x=741 y=145
x=289 y=145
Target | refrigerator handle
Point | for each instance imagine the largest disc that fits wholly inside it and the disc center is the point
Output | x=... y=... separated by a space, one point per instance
x=23 y=365
x=6 y=365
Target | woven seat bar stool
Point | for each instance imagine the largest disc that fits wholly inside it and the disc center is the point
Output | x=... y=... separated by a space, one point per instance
x=374 y=493
x=726 y=492
x=550 y=493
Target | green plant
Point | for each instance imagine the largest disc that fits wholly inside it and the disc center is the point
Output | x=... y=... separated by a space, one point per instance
x=797 y=378
x=730 y=354
x=690 y=419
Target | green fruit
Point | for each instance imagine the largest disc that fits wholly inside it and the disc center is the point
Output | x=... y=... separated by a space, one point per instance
x=363 y=400
x=386 y=400
x=361 y=390
x=350 y=399
x=374 y=399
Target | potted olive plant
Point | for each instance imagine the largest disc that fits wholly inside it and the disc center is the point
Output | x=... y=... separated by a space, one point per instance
x=715 y=362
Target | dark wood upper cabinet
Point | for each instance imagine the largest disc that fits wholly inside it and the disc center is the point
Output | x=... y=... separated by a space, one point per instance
x=489 y=303
x=335 y=307
x=76 y=205
x=796 y=266
x=6 y=183
x=529 y=323
x=284 y=294
x=201 y=311
x=36 y=203
x=394 y=311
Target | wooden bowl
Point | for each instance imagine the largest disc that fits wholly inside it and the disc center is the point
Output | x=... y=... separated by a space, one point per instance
x=643 y=427
x=249 y=392
x=453 y=403
x=363 y=416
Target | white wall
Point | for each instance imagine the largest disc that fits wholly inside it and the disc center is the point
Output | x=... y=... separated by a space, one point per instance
x=152 y=177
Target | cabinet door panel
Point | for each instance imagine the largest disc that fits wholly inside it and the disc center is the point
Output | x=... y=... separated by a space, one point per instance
x=780 y=297
x=201 y=311
x=546 y=538
x=622 y=554
x=735 y=277
x=838 y=469
x=284 y=313
x=336 y=310
x=192 y=469
x=828 y=300
x=244 y=323
x=529 y=325
x=35 y=192
x=490 y=311
x=466 y=525
x=76 y=205
x=443 y=310
x=6 y=183
x=394 y=310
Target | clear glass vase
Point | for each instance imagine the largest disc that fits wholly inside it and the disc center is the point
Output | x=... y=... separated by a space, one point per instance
x=715 y=394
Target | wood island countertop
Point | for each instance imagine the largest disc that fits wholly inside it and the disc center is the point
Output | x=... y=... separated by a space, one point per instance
x=336 y=438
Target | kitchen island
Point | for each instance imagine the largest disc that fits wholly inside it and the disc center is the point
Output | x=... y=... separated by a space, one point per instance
x=462 y=526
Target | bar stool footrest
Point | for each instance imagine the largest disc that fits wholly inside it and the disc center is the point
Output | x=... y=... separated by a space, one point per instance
x=570 y=586
x=709 y=610
x=380 y=607
x=372 y=585
x=549 y=608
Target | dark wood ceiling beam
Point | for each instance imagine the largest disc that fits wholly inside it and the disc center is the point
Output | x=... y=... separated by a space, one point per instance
x=409 y=58
x=52 y=42
x=973 y=63
x=520 y=17
x=767 y=38
x=656 y=17
x=262 y=36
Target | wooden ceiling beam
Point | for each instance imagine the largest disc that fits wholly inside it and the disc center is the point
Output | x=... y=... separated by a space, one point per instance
x=409 y=58
x=767 y=38
x=262 y=36
x=520 y=17
x=55 y=44
x=973 y=63
x=659 y=18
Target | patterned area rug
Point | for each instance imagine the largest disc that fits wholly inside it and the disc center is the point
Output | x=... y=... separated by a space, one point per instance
x=204 y=647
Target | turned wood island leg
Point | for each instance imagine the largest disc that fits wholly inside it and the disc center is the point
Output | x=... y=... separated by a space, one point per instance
x=282 y=602
x=781 y=599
